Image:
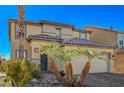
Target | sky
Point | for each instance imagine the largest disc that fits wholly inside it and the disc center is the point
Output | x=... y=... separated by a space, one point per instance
x=80 y=16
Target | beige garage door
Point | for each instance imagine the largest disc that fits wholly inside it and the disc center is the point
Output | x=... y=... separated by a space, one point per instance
x=97 y=65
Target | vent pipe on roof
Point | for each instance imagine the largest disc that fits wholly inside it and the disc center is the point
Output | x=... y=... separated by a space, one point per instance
x=111 y=27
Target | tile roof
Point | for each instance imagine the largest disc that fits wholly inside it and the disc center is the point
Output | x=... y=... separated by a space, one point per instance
x=45 y=22
x=77 y=41
x=53 y=23
x=74 y=41
x=43 y=36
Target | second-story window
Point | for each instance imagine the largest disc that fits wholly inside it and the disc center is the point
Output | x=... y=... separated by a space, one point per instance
x=82 y=35
x=17 y=32
x=58 y=32
x=121 y=42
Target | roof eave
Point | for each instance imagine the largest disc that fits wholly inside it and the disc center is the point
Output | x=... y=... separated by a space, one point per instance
x=34 y=38
x=87 y=45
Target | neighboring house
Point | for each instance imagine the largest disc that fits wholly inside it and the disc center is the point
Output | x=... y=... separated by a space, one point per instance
x=43 y=32
x=110 y=36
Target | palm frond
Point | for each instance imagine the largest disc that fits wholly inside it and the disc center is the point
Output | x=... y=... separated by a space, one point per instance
x=90 y=53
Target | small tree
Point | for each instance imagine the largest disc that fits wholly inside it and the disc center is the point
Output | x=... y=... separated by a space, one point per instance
x=65 y=55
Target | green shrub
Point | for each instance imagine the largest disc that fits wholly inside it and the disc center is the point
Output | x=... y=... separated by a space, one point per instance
x=36 y=74
x=19 y=72
x=62 y=73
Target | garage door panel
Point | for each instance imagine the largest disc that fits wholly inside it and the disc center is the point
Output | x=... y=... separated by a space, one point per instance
x=97 y=65
x=78 y=64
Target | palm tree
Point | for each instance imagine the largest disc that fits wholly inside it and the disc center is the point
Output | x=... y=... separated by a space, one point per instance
x=57 y=53
x=90 y=54
x=65 y=55
x=51 y=50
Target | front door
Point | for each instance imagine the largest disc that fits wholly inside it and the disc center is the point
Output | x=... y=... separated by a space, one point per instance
x=43 y=61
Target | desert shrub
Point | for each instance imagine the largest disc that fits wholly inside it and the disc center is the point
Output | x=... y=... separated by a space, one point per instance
x=36 y=74
x=19 y=72
x=62 y=73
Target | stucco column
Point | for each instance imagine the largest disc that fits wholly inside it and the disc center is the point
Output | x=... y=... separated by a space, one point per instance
x=111 y=65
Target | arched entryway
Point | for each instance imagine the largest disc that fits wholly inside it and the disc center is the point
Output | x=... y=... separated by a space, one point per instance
x=43 y=62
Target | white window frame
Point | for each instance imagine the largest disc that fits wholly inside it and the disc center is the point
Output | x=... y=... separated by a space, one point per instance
x=17 y=53
x=58 y=32
x=121 y=39
x=16 y=31
x=82 y=35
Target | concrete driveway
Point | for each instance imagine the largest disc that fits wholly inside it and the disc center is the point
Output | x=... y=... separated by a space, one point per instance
x=105 y=80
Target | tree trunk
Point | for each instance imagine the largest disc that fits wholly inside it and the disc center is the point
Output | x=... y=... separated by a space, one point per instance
x=69 y=74
x=70 y=71
x=55 y=70
x=84 y=74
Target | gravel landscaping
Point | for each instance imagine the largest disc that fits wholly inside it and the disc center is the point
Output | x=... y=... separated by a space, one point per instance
x=93 y=80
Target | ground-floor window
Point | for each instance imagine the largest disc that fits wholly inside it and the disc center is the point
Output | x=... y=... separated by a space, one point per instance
x=24 y=53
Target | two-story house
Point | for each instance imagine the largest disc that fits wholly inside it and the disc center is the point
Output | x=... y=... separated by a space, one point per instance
x=110 y=36
x=43 y=32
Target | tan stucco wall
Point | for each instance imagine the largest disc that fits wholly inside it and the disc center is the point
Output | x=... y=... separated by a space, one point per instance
x=38 y=43
x=15 y=44
x=66 y=32
x=103 y=35
x=75 y=34
x=33 y=29
x=119 y=63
